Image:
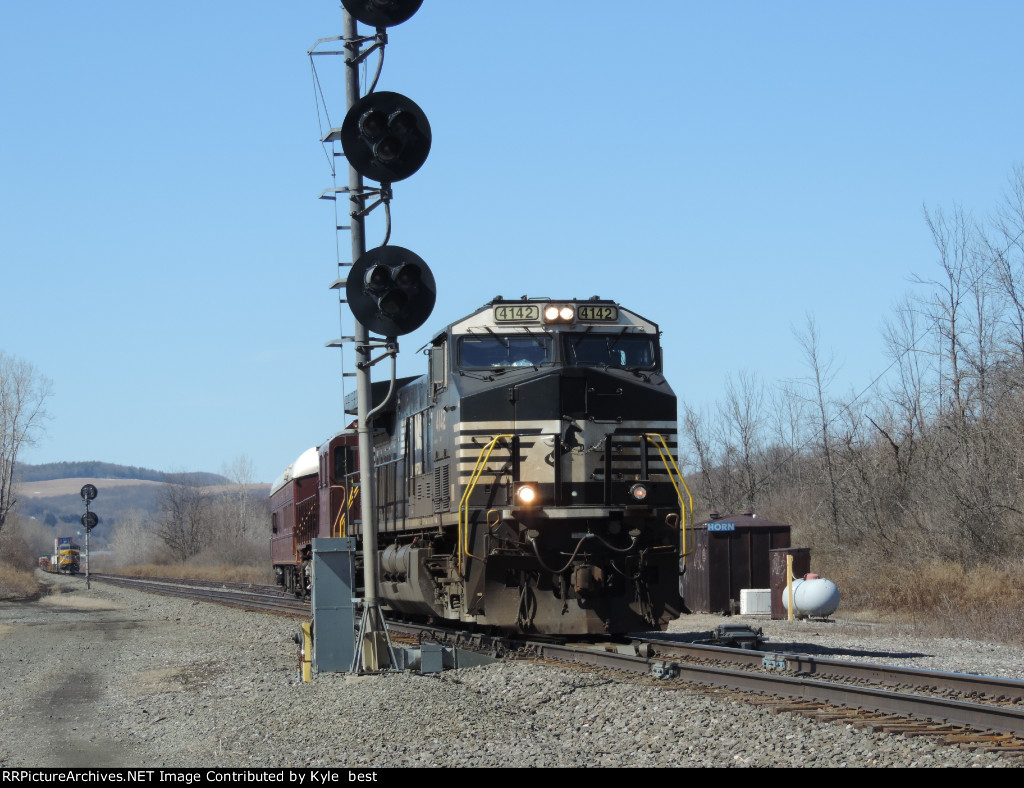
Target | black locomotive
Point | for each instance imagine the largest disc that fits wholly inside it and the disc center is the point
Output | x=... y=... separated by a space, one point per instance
x=527 y=482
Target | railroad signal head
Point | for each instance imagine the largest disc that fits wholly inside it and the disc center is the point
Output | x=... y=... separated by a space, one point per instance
x=391 y=291
x=386 y=137
x=88 y=492
x=90 y=520
x=382 y=13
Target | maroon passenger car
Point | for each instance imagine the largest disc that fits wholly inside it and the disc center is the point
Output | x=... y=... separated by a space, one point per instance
x=311 y=499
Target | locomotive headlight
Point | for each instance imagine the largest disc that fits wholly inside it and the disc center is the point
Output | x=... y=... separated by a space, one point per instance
x=526 y=494
x=638 y=491
x=556 y=313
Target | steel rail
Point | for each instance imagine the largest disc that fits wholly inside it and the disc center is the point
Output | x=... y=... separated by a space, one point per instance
x=273 y=603
x=1007 y=719
x=229 y=585
x=807 y=665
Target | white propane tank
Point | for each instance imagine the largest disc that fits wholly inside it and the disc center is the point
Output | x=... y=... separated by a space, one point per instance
x=814 y=596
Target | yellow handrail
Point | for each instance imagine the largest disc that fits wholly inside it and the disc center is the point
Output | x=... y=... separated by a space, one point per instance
x=478 y=469
x=666 y=458
x=340 y=527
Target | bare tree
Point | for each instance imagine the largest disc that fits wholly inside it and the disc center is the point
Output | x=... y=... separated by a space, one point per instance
x=956 y=404
x=695 y=432
x=953 y=241
x=730 y=451
x=821 y=375
x=132 y=542
x=743 y=415
x=787 y=417
x=1006 y=249
x=185 y=521
x=927 y=462
x=242 y=475
x=23 y=395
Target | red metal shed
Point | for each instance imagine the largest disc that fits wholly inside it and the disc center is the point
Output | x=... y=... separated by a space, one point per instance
x=730 y=553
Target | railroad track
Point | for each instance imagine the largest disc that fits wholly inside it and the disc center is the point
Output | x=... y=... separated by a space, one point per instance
x=960 y=709
x=996 y=723
x=247 y=596
x=955 y=685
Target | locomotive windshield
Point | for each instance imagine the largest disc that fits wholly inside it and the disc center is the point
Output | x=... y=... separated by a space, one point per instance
x=634 y=351
x=504 y=351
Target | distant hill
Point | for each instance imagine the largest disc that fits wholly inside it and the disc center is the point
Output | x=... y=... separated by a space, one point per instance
x=107 y=470
x=58 y=503
x=50 y=493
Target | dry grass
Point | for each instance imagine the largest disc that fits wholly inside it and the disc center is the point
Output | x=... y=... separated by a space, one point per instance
x=17 y=583
x=17 y=564
x=228 y=573
x=940 y=598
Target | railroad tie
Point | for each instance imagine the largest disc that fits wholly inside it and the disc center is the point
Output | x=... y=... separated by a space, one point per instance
x=969 y=740
x=917 y=728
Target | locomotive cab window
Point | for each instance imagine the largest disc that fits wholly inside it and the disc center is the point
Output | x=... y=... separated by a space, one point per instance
x=632 y=351
x=345 y=462
x=524 y=350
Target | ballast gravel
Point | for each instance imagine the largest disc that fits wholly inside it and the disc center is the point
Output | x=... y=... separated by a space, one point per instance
x=109 y=677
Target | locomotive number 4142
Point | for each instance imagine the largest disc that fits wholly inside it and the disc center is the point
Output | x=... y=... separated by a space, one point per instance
x=517 y=312
x=597 y=313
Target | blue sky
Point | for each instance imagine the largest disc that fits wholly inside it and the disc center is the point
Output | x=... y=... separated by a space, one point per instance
x=722 y=168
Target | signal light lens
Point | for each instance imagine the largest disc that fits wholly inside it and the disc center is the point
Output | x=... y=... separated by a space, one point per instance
x=407 y=275
x=638 y=491
x=373 y=124
x=402 y=122
x=393 y=303
x=526 y=494
x=377 y=277
x=388 y=149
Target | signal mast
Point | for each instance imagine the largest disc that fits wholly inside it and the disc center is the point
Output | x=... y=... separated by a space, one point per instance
x=390 y=290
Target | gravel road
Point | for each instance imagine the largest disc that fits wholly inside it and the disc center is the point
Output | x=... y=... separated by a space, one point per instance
x=115 y=678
